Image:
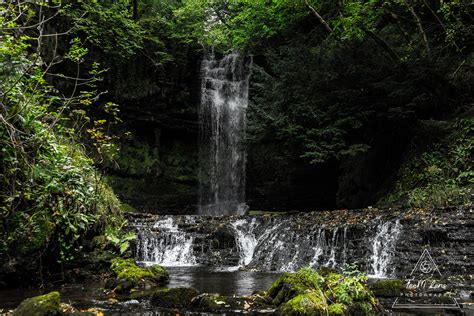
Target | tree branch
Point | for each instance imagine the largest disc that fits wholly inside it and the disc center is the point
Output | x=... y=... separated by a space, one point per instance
x=319 y=17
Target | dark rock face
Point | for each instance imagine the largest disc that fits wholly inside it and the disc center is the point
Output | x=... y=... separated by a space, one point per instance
x=157 y=167
x=382 y=243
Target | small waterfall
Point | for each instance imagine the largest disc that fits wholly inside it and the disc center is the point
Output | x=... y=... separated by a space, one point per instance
x=266 y=244
x=245 y=238
x=224 y=99
x=332 y=256
x=383 y=247
x=165 y=244
x=318 y=248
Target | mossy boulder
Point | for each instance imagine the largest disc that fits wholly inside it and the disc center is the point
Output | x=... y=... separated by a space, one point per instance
x=290 y=285
x=388 y=288
x=309 y=303
x=306 y=292
x=174 y=298
x=129 y=276
x=48 y=304
x=211 y=302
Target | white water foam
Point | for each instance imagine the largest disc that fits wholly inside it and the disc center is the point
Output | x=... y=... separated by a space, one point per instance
x=383 y=247
x=166 y=245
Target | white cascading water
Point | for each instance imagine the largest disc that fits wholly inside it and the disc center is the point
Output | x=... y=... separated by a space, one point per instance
x=276 y=244
x=383 y=248
x=332 y=256
x=245 y=239
x=318 y=247
x=224 y=99
x=166 y=244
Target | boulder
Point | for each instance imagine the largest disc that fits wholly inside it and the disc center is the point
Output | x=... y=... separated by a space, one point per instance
x=129 y=276
x=43 y=305
x=174 y=298
x=309 y=303
x=388 y=288
x=290 y=285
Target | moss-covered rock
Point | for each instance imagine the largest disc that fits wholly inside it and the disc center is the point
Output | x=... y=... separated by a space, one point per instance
x=48 y=304
x=211 y=302
x=310 y=303
x=174 y=298
x=130 y=276
x=290 y=285
x=306 y=292
x=388 y=288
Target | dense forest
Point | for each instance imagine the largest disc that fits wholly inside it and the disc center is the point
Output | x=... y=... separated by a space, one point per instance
x=351 y=104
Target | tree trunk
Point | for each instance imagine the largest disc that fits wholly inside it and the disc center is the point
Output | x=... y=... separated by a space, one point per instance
x=319 y=17
x=135 y=9
x=420 y=26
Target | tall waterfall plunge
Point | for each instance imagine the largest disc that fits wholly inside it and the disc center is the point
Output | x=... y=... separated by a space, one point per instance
x=224 y=99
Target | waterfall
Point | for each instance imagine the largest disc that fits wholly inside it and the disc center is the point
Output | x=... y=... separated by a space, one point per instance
x=245 y=238
x=265 y=244
x=165 y=244
x=222 y=154
x=383 y=247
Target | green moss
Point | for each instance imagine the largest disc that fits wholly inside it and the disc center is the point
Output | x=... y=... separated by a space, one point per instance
x=388 y=288
x=310 y=303
x=130 y=275
x=174 y=298
x=290 y=285
x=48 y=304
x=306 y=292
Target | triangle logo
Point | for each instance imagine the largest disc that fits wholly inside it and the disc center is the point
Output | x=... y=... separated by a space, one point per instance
x=425 y=266
x=425 y=290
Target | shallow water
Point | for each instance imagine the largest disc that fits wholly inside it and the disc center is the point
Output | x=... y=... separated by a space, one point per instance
x=83 y=296
x=221 y=281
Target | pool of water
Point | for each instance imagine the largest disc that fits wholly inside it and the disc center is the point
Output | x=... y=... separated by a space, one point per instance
x=225 y=282
x=83 y=296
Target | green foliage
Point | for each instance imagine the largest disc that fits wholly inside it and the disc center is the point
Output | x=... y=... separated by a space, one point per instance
x=439 y=174
x=51 y=195
x=306 y=292
x=107 y=26
x=117 y=237
x=234 y=24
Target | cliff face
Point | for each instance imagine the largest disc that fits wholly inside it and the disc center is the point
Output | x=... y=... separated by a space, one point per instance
x=157 y=166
